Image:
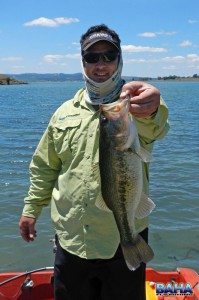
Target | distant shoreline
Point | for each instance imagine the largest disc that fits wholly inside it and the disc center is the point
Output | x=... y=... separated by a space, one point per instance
x=6 y=80
x=177 y=80
x=11 y=79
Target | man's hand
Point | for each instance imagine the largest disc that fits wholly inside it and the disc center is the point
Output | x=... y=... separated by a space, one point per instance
x=144 y=98
x=27 y=228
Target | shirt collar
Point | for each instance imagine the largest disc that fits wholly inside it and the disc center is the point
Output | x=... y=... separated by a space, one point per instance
x=79 y=99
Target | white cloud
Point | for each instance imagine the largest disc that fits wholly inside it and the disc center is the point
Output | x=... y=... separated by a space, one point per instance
x=185 y=43
x=18 y=67
x=11 y=58
x=63 y=20
x=51 y=22
x=147 y=34
x=193 y=57
x=154 y=34
x=192 y=21
x=171 y=67
x=166 y=32
x=58 y=58
x=73 y=56
x=52 y=58
x=134 y=60
x=177 y=59
x=172 y=59
x=133 y=49
x=170 y=62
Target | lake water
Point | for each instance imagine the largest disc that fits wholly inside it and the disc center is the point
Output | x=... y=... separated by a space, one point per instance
x=174 y=182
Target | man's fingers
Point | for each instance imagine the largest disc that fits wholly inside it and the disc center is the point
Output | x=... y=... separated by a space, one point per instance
x=27 y=228
x=27 y=235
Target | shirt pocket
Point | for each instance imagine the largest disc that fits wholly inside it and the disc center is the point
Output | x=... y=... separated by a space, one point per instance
x=66 y=136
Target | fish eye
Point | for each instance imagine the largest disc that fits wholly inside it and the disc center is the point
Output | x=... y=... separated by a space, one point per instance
x=104 y=120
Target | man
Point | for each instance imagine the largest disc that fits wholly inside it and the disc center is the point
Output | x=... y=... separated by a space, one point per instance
x=65 y=170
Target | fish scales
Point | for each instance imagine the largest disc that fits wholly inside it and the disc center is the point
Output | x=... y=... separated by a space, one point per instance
x=121 y=179
x=118 y=186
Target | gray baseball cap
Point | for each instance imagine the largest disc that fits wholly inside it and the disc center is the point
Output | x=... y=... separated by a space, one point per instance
x=97 y=37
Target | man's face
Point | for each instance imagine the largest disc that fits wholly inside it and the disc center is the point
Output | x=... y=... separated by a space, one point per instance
x=101 y=70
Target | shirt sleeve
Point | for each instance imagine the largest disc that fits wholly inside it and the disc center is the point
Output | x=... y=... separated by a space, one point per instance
x=154 y=127
x=44 y=170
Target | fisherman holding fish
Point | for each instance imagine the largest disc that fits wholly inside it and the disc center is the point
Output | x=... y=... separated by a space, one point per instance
x=92 y=164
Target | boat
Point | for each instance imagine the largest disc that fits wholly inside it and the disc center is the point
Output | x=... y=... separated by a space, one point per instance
x=181 y=284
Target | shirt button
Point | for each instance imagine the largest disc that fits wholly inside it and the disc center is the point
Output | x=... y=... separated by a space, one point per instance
x=91 y=134
x=88 y=156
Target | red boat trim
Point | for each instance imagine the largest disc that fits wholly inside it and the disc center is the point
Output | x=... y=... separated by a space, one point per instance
x=25 y=274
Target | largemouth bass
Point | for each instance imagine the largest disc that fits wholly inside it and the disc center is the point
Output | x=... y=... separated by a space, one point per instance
x=120 y=159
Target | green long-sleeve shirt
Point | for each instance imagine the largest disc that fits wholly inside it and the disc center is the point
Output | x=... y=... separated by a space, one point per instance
x=65 y=170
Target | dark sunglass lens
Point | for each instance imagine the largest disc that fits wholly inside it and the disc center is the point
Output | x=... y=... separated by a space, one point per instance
x=91 y=57
x=110 y=56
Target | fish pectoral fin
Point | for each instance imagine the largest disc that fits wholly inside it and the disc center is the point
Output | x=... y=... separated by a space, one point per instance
x=145 y=155
x=145 y=207
x=101 y=204
x=136 y=253
x=142 y=153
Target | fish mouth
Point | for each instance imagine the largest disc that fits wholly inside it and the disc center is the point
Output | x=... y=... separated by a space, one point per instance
x=115 y=110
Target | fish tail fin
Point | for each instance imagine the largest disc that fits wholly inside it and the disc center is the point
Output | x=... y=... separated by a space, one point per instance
x=136 y=253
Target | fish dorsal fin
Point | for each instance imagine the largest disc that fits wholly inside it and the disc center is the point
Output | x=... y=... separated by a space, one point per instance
x=101 y=204
x=145 y=207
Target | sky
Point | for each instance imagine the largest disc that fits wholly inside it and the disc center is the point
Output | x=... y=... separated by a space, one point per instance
x=158 y=37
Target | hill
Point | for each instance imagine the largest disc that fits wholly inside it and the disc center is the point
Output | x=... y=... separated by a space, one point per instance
x=48 y=77
x=56 y=77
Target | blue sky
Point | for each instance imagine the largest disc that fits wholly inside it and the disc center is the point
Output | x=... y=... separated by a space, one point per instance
x=159 y=37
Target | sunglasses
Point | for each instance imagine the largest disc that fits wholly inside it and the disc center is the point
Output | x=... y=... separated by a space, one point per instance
x=94 y=57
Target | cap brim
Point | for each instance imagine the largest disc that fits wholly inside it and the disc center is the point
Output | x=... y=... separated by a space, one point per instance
x=99 y=40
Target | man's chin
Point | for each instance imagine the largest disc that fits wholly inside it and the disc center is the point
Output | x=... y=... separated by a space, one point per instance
x=100 y=78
